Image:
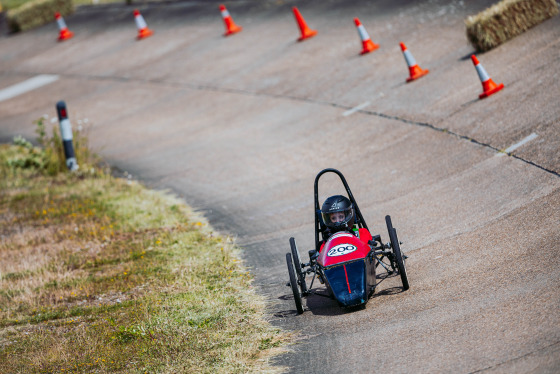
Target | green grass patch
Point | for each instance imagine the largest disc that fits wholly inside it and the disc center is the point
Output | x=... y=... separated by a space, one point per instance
x=99 y=274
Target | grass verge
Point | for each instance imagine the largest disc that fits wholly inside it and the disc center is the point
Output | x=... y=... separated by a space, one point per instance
x=98 y=274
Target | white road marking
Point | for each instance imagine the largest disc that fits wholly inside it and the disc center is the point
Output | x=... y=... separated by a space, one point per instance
x=517 y=145
x=355 y=109
x=26 y=86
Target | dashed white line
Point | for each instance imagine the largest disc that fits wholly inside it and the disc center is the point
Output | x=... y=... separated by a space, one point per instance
x=355 y=109
x=517 y=145
x=26 y=86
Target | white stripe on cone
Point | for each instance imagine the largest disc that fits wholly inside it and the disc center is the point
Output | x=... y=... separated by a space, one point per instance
x=363 y=33
x=61 y=23
x=225 y=13
x=410 y=61
x=482 y=74
x=140 y=23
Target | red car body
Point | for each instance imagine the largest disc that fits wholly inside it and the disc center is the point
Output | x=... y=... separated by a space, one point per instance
x=348 y=266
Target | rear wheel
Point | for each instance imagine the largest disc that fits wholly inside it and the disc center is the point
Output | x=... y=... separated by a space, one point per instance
x=397 y=252
x=297 y=264
x=293 y=283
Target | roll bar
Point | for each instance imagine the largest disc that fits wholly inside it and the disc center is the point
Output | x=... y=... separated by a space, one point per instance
x=319 y=224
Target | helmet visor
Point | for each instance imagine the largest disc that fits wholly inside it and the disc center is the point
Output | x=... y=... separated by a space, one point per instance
x=338 y=218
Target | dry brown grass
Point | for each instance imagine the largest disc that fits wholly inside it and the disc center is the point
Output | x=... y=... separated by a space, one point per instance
x=101 y=275
x=505 y=20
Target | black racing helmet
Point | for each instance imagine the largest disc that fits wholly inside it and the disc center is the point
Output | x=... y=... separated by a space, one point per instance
x=338 y=213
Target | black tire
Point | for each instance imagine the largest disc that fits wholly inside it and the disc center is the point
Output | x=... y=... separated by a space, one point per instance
x=297 y=264
x=293 y=283
x=397 y=251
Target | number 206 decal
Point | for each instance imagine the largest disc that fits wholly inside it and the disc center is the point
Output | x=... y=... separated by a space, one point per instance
x=341 y=250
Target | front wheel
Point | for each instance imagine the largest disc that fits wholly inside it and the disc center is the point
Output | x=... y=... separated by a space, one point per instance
x=293 y=283
x=297 y=264
x=397 y=252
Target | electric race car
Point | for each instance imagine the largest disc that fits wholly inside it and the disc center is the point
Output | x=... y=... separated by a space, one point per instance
x=346 y=255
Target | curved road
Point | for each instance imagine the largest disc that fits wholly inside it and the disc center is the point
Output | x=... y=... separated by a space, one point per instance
x=240 y=126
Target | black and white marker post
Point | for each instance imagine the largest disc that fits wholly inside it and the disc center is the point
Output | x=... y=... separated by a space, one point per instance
x=66 y=133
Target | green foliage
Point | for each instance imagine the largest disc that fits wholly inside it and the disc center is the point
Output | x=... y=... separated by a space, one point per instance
x=50 y=158
x=126 y=334
x=37 y=13
x=29 y=157
x=505 y=20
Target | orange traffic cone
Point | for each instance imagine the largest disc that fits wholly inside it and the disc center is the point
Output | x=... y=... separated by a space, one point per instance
x=143 y=30
x=415 y=70
x=368 y=45
x=306 y=32
x=488 y=85
x=64 y=32
x=231 y=27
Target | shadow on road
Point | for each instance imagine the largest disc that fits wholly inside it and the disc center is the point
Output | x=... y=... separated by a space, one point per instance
x=319 y=303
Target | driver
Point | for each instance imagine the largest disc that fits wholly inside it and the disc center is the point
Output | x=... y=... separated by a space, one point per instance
x=338 y=214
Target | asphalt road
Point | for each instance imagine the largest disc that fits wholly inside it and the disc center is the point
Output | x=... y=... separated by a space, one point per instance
x=240 y=126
